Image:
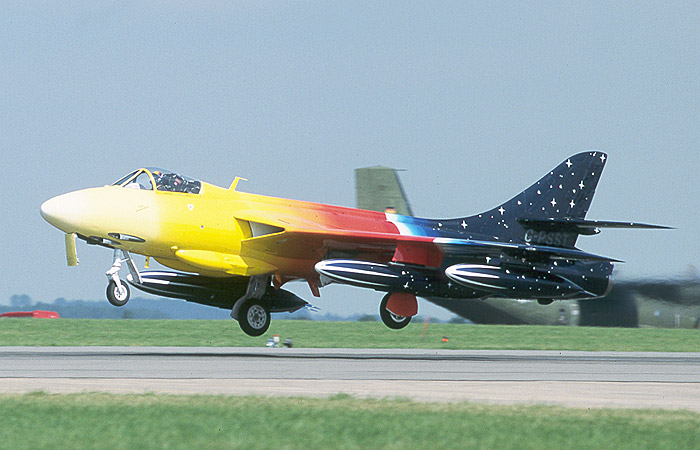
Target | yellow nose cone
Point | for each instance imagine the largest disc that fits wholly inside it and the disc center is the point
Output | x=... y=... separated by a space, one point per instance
x=51 y=211
x=65 y=212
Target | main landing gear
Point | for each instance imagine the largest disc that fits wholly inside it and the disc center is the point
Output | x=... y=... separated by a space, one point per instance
x=252 y=310
x=118 y=292
x=252 y=314
x=390 y=319
x=253 y=317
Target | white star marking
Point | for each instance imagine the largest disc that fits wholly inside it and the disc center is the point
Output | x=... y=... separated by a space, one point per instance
x=580 y=185
x=602 y=158
x=488 y=259
x=501 y=210
x=568 y=163
x=572 y=204
x=405 y=286
x=464 y=224
x=553 y=202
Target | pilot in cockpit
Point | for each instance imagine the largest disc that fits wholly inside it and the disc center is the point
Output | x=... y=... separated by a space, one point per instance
x=172 y=182
x=162 y=181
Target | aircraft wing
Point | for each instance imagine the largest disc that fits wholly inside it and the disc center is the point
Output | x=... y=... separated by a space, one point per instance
x=314 y=244
x=294 y=244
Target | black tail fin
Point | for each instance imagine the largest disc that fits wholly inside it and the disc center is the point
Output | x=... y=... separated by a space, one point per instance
x=563 y=194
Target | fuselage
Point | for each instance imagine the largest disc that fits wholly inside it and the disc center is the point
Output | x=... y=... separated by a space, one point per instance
x=234 y=249
x=160 y=223
x=216 y=232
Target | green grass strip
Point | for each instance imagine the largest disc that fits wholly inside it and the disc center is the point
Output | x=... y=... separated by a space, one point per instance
x=91 y=421
x=310 y=334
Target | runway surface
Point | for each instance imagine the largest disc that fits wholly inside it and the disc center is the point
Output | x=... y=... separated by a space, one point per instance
x=575 y=379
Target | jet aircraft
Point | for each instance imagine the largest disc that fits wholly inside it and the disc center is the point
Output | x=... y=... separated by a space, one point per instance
x=236 y=250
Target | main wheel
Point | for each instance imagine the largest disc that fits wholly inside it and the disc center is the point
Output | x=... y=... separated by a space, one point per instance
x=391 y=320
x=116 y=296
x=253 y=317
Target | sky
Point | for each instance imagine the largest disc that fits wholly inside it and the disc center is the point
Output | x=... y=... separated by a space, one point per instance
x=475 y=100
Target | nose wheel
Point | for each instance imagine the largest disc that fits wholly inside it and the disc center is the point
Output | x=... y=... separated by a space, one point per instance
x=118 y=294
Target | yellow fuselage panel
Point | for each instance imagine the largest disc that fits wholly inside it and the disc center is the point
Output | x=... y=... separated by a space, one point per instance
x=102 y=212
x=218 y=232
x=147 y=222
x=224 y=262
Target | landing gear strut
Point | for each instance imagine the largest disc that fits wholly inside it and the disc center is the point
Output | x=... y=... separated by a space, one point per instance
x=117 y=292
x=252 y=314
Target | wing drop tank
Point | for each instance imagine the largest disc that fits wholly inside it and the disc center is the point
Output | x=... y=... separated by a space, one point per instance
x=516 y=282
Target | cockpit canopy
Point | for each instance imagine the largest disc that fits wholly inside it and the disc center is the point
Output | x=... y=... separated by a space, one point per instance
x=161 y=179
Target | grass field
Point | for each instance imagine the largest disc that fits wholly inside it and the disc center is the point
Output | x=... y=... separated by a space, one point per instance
x=79 y=332
x=89 y=421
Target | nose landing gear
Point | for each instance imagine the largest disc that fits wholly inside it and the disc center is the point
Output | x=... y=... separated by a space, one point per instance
x=118 y=292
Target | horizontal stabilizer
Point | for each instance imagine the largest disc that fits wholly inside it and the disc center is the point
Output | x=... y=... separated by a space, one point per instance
x=466 y=246
x=581 y=226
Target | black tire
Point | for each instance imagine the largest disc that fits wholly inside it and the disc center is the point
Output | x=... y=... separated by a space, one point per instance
x=115 y=297
x=391 y=320
x=253 y=317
